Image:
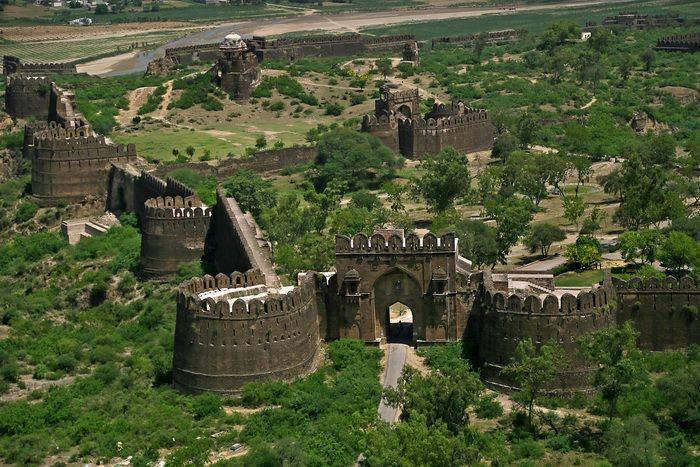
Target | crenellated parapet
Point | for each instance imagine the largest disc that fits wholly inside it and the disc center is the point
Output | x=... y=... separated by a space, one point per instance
x=394 y=242
x=12 y=65
x=174 y=232
x=679 y=43
x=664 y=311
x=560 y=317
x=233 y=329
x=492 y=37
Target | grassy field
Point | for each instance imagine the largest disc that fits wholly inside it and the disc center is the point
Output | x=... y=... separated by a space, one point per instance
x=74 y=50
x=579 y=278
x=533 y=21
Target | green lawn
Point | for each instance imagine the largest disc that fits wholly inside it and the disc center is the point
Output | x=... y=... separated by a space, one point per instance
x=579 y=278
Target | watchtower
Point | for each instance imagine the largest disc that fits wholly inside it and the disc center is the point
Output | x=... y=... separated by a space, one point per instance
x=237 y=70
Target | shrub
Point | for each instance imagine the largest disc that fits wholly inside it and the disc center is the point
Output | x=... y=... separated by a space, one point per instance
x=26 y=211
x=334 y=109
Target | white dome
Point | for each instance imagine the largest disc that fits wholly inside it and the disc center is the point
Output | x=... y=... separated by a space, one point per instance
x=233 y=37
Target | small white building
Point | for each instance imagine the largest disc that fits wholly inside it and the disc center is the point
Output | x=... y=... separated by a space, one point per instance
x=585 y=35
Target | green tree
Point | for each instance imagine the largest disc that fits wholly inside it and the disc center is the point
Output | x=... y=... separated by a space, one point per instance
x=585 y=253
x=440 y=397
x=396 y=194
x=541 y=237
x=626 y=65
x=533 y=172
x=648 y=57
x=527 y=127
x=614 y=352
x=634 y=442
x=190 y=151
x=593 y=222
x=446 y=177
x=679 y=252
x=384 y=66
x=574 y=208
x=260 y=142
x=478 y=242
x=600 y=39
x=533 y=370
x=251 y=192
x=504 y=145
x=512 y=215
x=557 y=34
x=640 y=244
x=358 y=159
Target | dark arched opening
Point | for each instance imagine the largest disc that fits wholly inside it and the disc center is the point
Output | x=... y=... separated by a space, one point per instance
x=400 y=319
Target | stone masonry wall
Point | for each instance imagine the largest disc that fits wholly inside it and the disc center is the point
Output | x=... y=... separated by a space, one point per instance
x=545 y=318
x=664 y=312
x=69 y=165
x=27 y=96
x=221 y=345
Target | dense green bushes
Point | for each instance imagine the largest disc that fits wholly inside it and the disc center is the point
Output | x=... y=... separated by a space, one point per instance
x=286 y=86
x=153 y=102
x=197 y=90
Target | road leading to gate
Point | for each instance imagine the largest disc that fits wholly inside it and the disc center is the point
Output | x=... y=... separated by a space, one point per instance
x=395 y=361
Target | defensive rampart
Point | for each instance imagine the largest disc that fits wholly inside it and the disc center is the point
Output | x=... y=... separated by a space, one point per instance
x=12 y=65
x=469 y=132
x=664 y=312
x=235 y=241
x=679 y=43
x=263 y=161
x=27 y=96
x=233 y=329
x=492 y=37
x=546 y=318
x=173 y=232
x=72 y=164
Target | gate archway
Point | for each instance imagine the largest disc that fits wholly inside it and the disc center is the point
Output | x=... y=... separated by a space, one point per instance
x=396 y=286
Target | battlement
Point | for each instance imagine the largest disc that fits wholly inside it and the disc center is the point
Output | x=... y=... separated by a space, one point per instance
x=243 y=296
x=396 y=38
x=67 y=144
x=681 y=43
x=172 y=51
x=153 y=184
x=667 y=285
x=29 y=81
x=177 y=188
x=12 y=65
x=584 y=303
x=176 y=208
x=393 y=95
x=470 y=117
x=393 y=243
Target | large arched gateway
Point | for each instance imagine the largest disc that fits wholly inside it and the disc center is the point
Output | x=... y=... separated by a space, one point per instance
x=388 y=268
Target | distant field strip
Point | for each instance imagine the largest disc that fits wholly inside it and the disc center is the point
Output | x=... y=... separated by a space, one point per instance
x=57 y=51
x=535 y=21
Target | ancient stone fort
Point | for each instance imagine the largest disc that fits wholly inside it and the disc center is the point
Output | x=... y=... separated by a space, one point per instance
x=397 y=121
x=242 y=324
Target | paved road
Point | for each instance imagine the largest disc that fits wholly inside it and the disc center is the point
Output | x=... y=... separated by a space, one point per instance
x=346 y=22
x=395 y=360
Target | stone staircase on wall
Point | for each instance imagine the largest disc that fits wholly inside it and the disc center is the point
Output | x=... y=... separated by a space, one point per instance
x=74 y=230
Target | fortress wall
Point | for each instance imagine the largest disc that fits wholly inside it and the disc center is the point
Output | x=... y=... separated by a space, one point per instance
x=72 y=164
x=509 y=319
x=12 y=65
x=492 y=37
x=173 y=232
x=263 y=161
x=27 y=96
x=384 y=128
x=220 y=346
x=466 y=133
x=236 y=244
x=665 y=312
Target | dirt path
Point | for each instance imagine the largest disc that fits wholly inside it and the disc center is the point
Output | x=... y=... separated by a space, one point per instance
x=593 y=101
x=137 y=98
x=167 y=97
